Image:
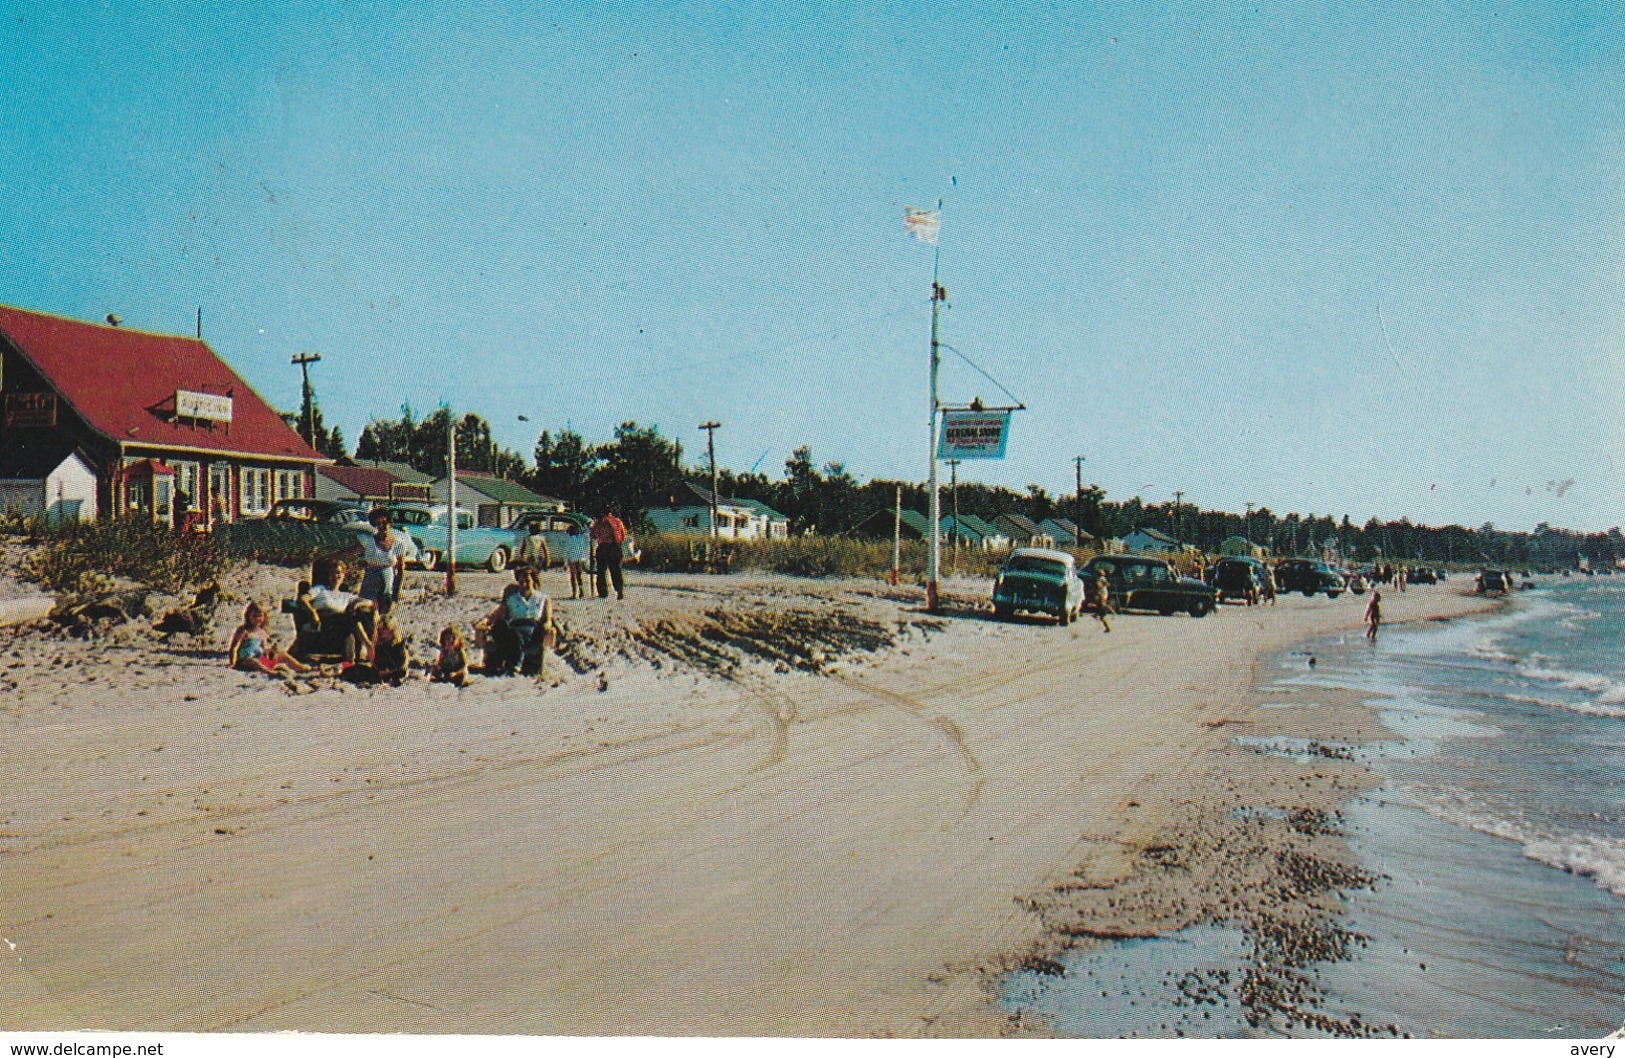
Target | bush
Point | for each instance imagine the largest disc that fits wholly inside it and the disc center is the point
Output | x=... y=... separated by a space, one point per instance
x=83 y=557
x=815 y=556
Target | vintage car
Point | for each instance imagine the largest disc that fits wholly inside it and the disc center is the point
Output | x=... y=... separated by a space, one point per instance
x=1356 y=581
x=538 y=536
x=1039 y=580
x=488 y=546
x=322 y=512
x=1141 y=583
x=1421 y=575
x=1494 y=582
x=294 y=526
x=1310 y=577
x=1238 y=578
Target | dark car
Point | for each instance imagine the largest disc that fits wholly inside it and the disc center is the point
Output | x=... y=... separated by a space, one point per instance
x=1309 y=577
x=1139 y=583
x=1494 y=582
x=1038 y=580
x=1238 y=578
x=1421 y=575
x=322 y=512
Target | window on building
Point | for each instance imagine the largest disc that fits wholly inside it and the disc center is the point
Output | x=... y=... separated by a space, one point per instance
x=186 y=480
x=220 y=492
x=254 y=486
x=290 y=485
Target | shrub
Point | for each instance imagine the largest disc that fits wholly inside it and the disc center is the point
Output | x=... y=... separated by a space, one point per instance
x=83 y=557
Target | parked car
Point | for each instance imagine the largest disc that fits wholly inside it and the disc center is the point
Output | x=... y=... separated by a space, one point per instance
x=1310 y=577
x=539 y=535
x=1238 y=577
x=488 y=546
x=296 y=526
x=1421 y=575
x=1355 y=580
x=1494 y=582
x=1039 y=580
x=322 y=512
x=1140 y=583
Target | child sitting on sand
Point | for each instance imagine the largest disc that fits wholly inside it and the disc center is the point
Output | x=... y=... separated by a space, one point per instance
x=451 y=664
x=253 y=650
x=390 y=657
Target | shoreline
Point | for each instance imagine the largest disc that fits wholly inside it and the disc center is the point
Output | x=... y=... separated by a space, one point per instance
x=1244 y=898
x=849 y=844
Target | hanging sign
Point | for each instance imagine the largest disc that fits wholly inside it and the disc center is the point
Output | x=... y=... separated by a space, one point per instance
x=30 y=410
x=973 y=434
x=209 y=407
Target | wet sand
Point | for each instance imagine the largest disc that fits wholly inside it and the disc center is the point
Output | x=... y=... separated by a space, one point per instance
x=833 y=816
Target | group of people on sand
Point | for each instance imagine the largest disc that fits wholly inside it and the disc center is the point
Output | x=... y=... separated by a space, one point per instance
x=370 y=648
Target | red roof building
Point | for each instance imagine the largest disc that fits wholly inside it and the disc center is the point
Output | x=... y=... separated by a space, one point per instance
x=122 y=397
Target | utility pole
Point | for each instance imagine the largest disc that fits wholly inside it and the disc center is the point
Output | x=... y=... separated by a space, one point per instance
x=1248 y=532
x=933 y=577
x=451 y=502
x=953 y=491
x=711 y=429
x=1077 y=502
x=897 y=539
x=308 y=412
x=1179 y=495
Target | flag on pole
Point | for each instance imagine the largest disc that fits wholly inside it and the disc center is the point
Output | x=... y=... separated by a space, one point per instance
x=923 y=224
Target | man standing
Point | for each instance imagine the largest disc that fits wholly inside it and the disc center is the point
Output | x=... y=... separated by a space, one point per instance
x=607 y=536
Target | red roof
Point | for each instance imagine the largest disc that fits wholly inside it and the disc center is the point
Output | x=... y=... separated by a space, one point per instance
x=122 y=383
x=363 y=481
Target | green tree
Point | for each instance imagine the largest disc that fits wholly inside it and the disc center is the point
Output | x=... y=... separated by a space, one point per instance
x=637 y=463
x=564 y=466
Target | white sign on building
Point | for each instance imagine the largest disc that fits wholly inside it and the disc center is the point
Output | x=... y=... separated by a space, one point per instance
x=210 y=407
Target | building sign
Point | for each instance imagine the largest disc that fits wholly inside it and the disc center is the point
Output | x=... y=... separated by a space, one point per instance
x=971 y=434
x=210 y=407
x=29 y=410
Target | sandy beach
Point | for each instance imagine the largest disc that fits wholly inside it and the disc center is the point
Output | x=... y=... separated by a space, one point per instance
x=738 y=806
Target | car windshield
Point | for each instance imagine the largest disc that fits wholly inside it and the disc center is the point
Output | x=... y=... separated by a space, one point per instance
x=408 y=516
x=1028 y=564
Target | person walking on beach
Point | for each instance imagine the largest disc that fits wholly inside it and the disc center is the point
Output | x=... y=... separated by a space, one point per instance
x=607 y=536
x=1100 y=599
x=1373 y=616
x=577 y=550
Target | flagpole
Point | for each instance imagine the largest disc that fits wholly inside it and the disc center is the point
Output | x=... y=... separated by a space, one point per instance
x=933 y=577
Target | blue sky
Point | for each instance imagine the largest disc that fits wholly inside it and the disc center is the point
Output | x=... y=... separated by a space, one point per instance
x=1332 y=258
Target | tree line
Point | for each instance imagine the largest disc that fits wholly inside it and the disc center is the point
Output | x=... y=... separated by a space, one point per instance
x=826 y=499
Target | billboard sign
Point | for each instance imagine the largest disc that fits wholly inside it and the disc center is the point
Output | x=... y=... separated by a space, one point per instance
x=973 y=434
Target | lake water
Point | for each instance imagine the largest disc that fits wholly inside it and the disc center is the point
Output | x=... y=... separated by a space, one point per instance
x=1499 y=828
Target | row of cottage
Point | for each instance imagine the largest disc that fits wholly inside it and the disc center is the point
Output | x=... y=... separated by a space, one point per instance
x=100 y=419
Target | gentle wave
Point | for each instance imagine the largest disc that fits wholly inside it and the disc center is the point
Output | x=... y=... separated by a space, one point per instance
x=1600 y=859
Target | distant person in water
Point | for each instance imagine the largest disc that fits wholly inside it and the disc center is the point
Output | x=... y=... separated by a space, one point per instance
x=1373 y=616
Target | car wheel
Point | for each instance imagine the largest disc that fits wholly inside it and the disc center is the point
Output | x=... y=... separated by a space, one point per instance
x=1201 y=609
x=1308 y=593
x=498 y=560
x=429 y=559
x=1166 y=611
x=1002 y=612
x=1333 y=594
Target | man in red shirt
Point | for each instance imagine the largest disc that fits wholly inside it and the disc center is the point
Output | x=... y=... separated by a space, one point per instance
x=607 y=536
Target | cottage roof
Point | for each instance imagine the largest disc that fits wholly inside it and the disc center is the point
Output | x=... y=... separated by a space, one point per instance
x=365 y=482
x=123 y=383
x=498 y=490
x=1019 y=522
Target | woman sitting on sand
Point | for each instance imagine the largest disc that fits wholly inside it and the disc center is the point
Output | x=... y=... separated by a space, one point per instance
x=520 y=628
x=253 y=650
x=355 y=616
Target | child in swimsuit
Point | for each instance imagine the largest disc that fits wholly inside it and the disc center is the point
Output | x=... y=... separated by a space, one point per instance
x=252 y=649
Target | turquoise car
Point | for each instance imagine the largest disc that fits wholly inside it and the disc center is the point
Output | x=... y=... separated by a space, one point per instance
x=1039 y=580
x=488 y=546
